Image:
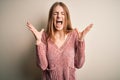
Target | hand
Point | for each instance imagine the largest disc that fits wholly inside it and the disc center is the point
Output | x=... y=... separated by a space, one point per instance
x=84 y=32
x=36 y=33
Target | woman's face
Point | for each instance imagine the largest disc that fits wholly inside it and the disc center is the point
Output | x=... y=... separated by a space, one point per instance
x=58 y=18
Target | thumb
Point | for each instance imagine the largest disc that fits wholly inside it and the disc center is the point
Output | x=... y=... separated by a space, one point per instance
x=77 y=30
x=41 y=30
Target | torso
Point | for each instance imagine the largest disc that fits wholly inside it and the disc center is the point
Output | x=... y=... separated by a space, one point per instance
x=60 y=42
x=60 y=56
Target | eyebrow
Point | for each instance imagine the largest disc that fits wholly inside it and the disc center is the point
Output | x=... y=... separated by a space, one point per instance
x=58 y=12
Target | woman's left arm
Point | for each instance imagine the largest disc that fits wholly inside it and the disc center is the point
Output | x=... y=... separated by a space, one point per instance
x=79 y=58
x=80 y=47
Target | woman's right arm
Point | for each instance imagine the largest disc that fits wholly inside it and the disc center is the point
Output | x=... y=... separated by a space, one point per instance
x=41 y=56
x=40 y=47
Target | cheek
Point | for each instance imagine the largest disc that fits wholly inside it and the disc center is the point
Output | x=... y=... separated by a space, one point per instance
x=54 y=17
x=64 y=18
x=64 y=21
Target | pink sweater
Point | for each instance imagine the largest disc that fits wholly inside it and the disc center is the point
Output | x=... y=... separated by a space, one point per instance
x=61 y=63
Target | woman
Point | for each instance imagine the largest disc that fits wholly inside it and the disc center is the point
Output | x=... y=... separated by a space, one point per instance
x=60 y=49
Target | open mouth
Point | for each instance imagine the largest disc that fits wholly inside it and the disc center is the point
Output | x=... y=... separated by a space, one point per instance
x=61 y=22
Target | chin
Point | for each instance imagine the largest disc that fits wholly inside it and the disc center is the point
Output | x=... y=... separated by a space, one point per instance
x=59 y=28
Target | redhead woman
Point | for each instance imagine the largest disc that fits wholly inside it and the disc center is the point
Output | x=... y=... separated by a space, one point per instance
x=60 y=49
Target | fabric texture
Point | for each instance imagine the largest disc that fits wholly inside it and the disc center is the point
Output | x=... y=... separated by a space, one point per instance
x=61 y=63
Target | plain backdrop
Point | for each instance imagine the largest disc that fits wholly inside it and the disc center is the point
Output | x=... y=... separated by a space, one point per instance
x=17 y=43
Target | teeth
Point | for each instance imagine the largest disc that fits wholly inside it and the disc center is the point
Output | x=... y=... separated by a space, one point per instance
x=59 y=22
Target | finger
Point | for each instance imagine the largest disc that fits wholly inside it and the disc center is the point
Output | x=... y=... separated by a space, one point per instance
x=87 y=29
x=77 y=31
x=29 y=25
x=41 y=31
x=32 y=28
x=90 y=26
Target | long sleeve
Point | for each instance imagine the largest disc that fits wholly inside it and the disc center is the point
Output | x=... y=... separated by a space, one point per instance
x=41 y=55
x=79 y=53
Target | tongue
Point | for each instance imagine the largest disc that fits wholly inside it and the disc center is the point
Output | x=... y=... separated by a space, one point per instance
x=59 y=24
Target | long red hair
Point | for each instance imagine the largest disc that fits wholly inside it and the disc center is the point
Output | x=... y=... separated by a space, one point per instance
x=50 y=27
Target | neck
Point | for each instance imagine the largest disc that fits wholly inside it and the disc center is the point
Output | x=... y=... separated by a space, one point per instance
x=59 y=35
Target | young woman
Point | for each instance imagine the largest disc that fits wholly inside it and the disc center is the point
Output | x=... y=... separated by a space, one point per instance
x=60 y=49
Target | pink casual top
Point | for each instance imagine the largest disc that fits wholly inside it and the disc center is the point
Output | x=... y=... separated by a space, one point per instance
x=60 y=63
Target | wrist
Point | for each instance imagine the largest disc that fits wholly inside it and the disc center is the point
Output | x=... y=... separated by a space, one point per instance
x=38 y=42
x=80 y=40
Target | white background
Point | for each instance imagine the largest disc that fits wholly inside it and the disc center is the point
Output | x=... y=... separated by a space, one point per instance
x=17 y=44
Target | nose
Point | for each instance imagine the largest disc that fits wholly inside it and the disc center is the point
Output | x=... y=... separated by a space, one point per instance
x=58 y=15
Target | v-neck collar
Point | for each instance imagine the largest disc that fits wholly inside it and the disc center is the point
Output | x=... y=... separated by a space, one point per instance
x=64 y=43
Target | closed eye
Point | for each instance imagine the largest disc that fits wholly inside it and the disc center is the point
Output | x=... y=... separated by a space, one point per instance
x=55 y=13
x=62 y=13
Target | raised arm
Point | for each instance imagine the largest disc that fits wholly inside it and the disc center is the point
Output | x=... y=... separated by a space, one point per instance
x=80 y=46
x=40 y=46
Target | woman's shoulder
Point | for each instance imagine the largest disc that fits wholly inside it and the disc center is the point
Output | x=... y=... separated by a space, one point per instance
x=74 y=32
x=44 y=36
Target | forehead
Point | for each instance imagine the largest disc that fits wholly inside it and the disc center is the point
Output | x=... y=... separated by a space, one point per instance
x=58 y=8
